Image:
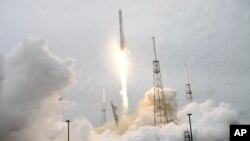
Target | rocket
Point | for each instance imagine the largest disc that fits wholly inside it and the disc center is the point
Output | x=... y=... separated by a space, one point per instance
x=122 y=37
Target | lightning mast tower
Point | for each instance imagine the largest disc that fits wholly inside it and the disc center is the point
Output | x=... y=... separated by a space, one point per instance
x=103 y=110
x=160 y=108
x=189 y=97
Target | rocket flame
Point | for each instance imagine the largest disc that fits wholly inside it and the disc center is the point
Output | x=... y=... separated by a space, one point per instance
x=121 y=62
x=122 y=57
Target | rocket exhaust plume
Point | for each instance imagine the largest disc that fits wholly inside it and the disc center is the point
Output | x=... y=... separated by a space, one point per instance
x=123 y=76
x=122 y=56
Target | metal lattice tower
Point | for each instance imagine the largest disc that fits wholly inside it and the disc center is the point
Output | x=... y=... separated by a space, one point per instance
x=187 y=136
x=160 y=106
x=189 y=97
x=103 y=110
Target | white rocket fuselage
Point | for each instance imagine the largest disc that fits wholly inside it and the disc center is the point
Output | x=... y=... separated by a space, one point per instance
x=122 y=38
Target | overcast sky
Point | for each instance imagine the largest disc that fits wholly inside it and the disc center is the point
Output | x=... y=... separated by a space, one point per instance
x=212 y=37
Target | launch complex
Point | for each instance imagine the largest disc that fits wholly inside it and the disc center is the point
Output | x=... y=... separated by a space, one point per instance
x=160 y=109
x=160 y=105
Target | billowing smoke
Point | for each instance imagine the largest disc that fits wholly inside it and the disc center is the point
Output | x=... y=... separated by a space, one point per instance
x=31 y=78
x=210 y=122
x=144 y=114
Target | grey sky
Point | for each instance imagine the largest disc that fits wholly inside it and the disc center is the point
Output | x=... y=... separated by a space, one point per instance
x=212 y=37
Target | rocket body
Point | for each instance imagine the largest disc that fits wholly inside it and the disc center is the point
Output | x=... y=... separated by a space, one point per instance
x=122 y=38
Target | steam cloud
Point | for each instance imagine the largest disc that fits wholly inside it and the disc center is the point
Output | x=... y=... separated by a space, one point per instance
x=31 y=77
x=210 y=122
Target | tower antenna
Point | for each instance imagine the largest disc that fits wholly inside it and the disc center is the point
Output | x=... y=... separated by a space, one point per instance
x=154 y=48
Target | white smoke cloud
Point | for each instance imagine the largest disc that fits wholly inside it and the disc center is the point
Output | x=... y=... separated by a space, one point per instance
x=144 y=113
x=31 y=76
x=210 y=122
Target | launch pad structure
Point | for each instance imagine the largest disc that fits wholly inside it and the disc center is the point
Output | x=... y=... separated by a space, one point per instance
x=160 y=105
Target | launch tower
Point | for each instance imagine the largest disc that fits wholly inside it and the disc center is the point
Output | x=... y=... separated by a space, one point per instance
x=160 y=108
